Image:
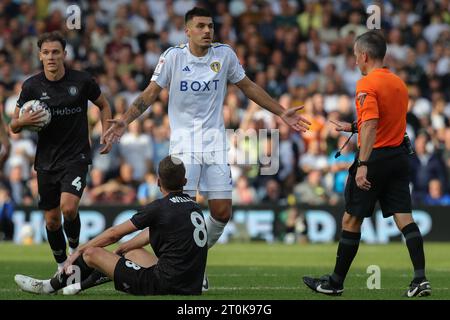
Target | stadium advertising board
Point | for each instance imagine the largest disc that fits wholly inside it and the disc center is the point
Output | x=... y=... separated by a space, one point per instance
x=255 y=223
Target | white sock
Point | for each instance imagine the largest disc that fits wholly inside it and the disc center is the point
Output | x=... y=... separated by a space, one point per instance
x=61 y=266
x=72 y=250
x=76 y=286
x=47 y=287
x=214 y=229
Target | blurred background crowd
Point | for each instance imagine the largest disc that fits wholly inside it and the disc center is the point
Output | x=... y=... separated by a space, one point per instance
x=301 y=52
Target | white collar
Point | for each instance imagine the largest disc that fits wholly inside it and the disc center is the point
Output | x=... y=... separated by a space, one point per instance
x=194 y=59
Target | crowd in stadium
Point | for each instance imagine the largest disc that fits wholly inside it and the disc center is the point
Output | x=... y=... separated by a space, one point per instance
x=301 y=52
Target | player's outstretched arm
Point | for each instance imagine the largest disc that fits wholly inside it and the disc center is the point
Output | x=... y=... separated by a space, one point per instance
x=262 y=98
x=145 y=99
x=106 y=115
x=107 y=237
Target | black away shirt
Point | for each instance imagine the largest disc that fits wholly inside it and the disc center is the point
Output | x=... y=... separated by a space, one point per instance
x=66 y=139
x=178 y=238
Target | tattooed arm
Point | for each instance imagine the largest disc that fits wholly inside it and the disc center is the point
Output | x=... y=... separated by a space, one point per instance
x=145 y=99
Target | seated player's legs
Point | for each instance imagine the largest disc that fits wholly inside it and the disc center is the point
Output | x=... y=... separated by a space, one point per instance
x=130 y=277
x=142 y=257
x=139 y=257
x=192 y=164
x=102 y=260
x=132 y=273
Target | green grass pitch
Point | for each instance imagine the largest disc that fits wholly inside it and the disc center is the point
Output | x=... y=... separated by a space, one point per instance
x=258 y=271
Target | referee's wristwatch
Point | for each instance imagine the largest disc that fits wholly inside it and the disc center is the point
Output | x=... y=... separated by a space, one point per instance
x=362 y=163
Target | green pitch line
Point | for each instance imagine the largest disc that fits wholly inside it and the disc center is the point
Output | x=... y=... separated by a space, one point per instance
x=258 y=271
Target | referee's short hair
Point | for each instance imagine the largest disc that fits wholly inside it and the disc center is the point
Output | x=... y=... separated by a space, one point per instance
x=372 y=43
x=171 y=173
x=50 y=37
x=196 y=12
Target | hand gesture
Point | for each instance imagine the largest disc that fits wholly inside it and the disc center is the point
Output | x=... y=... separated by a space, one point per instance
x=116 y=130
x=361 y=178
x=107 y=145
x=294 y=120
x=342 y=126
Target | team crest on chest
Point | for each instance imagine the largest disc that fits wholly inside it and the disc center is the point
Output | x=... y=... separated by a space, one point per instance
x=215 y=66
x=73 y=91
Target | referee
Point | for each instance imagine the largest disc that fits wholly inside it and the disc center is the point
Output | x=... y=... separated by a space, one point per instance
x=381 y=168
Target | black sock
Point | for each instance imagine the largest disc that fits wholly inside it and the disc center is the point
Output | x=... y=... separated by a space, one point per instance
x=414 y=242
x=57 y=243
x=95 y=278
x=346 y=252
x=72 y=229
x=60 y=280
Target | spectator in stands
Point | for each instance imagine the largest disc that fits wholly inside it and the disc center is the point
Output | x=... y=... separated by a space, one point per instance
x=338 y=167
x=312 y=191
x=313 y=159
x=243 y=194
x=426 y=165
x=6 y=213
x=136 y=148
x=148 y=191
x=436 y=195
x=120 y=44
x=273 y=194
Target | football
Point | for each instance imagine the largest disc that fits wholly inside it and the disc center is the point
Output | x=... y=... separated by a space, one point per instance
x=32 y=106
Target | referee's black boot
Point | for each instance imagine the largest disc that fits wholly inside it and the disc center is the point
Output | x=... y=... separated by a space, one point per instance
x=323 y=285
x=418 y=289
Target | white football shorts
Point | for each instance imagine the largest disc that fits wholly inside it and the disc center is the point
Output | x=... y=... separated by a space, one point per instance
x=207 y=172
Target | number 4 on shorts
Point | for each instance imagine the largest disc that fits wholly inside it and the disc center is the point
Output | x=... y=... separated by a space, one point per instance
x=77 y=183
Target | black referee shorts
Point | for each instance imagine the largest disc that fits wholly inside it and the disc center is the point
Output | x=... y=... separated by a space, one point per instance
x=388 y=173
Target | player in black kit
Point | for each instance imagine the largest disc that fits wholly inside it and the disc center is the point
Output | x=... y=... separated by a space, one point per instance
x=63 y=151
x=175 y=227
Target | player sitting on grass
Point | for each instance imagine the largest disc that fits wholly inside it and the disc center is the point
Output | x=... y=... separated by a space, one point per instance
x=176 y=230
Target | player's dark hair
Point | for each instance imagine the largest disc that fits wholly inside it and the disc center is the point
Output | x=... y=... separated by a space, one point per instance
x=196 y=12
x=50 y=37
x=372 y=43
x=171 y=172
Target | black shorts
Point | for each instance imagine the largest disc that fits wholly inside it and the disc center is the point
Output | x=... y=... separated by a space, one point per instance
x=388 y=174
x=51 y=184
x=134 y=279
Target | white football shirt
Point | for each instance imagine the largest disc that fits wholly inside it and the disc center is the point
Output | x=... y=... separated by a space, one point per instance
x=197 y=88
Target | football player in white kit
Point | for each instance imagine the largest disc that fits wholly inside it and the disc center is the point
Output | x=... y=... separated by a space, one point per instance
x=196 y=75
